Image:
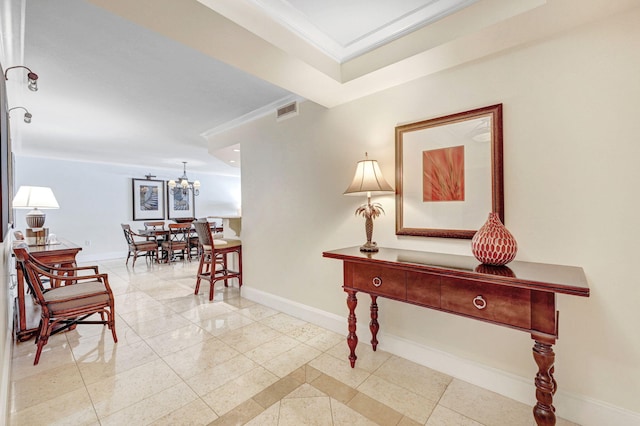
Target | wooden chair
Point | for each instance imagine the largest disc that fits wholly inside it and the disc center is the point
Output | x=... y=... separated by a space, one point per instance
x=157 y=233
x=159 y=225
x=213 y=265
x=85 y=292
x=136 y=247
x=177 y=241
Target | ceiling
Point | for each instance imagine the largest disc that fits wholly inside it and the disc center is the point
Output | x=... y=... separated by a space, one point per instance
x=156 y=82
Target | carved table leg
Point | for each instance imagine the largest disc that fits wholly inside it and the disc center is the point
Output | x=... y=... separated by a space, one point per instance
x=352 y=338
x=544 y=411
x=373 y=325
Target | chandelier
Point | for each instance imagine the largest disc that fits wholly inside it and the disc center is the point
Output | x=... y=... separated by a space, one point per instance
x=184 y=184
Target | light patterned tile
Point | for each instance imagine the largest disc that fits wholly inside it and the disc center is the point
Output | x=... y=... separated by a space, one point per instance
x=201 y=357
x=484 y=406
x=345 y=416
x=257 y=312
x=152 y=408
x=443 y=416
x=251 y=336
x=305 y=411
x=71 y=408
x=160 y=325
x=122 y=390
x=29 y=347
x=196 y=413
x=368 y=359
x=103 y=362
x=291 y=360
x=374 y=410
x=52 y=356
x=283 y=323
x=272 y=349
x=27 y=392
x=178 y=339
x=222 y=324
x=408 y=403
x=212 y=378
x=242 y=388
x=240 y=415
x=206 y=311
x=268 y=417
x=422 y=380
x=326 y=340
x=339 y=369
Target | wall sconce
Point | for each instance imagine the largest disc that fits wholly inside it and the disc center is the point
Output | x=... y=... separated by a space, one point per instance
x=368 y=179
x=31 y=76
x=27 y=114
x=35 y=197
x=184 y=184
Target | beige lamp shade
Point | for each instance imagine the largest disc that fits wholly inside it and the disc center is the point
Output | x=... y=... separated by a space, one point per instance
x=36 y=198
x=368 y=178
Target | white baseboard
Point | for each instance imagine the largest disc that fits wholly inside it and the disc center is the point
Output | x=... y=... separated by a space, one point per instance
x=576 y=408
x=86 y=257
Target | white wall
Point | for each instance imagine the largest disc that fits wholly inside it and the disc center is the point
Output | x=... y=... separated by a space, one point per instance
x=571 y=174
x=96 y=198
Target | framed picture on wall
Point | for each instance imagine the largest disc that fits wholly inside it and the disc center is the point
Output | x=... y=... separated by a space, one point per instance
x=449 y=173
x=180 y=203
x=148 y=199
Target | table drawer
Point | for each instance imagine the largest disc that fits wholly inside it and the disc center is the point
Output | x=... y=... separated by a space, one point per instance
x=504 y=305
x=379 y=280
x=423 y=289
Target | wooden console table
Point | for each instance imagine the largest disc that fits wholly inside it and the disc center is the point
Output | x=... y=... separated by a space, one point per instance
x=521 y=295
x=28 y=314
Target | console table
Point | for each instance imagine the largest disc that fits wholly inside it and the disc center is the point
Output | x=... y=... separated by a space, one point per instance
x=28 y=314
x=521 y=295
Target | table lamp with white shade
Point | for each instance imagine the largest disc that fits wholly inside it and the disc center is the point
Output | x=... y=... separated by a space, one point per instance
x=35 y=198
x=368 y=180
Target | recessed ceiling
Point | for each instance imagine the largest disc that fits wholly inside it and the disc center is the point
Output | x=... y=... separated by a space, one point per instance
x=346 y=29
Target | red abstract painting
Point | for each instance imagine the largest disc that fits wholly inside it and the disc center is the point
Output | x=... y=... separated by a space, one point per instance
x=443 y=174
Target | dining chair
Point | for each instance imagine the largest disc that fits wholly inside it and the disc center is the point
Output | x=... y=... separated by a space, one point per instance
x=214 y=262
x=83 y=292
x=177 y=241
x=148 y=248
x=156 y=231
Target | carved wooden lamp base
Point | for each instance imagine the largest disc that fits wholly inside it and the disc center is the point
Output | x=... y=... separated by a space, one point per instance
x=369 y=247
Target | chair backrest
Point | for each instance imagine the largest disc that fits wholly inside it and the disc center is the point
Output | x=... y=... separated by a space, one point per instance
x=204 y=232
x=31 y=271
x=154 y=225
x=179 y=231
x=127 y=233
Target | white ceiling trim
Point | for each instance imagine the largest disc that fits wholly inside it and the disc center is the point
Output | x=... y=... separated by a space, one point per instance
x=253 y=115
x=288 y=16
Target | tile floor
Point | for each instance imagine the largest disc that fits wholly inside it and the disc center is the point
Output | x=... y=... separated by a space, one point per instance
x=182 y=360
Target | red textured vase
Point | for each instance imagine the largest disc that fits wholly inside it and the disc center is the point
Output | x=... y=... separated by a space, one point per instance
x=493 y=244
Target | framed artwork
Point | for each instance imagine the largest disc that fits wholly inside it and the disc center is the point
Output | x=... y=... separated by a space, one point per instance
x=449 y=173
x=148 y=199
x=180 y=204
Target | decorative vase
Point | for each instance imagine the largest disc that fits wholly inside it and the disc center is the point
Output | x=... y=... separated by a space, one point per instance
x=493 y=244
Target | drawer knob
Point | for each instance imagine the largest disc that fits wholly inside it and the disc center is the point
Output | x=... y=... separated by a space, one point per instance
x=479 y=302
x=377 y=281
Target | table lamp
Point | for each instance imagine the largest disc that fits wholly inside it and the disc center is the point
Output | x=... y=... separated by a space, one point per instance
x=36 y=198
x=368 y=179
